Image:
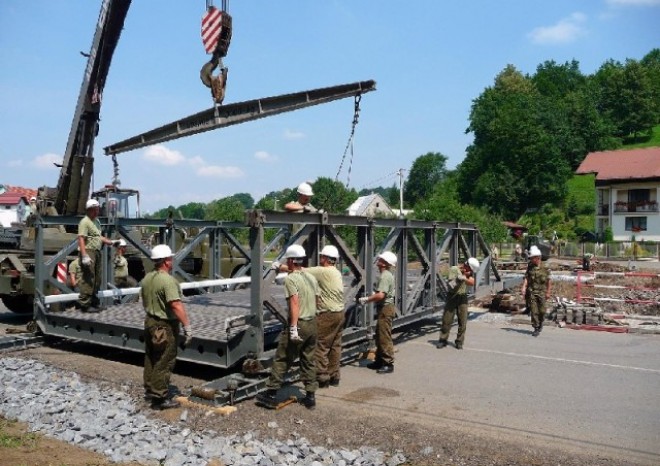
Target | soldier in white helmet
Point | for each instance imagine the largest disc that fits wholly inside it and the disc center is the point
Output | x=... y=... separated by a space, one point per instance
x=165 y=313
x=299 y=339
x=457 y=303
x=536 y=289
x=330 y=316
x=384 y=297
x=122 y=277
x=303 y=204
x=90 y=242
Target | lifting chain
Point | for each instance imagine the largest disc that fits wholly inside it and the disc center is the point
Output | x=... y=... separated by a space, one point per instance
x=349 y=143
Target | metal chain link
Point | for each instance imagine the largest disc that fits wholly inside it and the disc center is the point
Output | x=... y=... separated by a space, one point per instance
x=349 y=143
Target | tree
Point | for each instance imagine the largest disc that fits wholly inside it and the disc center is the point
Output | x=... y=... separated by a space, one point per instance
x=192 y=210
x=245 y=199
x=427 y=170
x=228 y=209
x=515 y=161
x=332 y=196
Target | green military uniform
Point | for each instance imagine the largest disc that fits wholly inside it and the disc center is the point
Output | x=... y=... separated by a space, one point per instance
x=386 y=313
x=306 y=287
x=330 y=323
x=457 y=303
x=122 y=278
x=90 y=281
x=537 y=284
x=76 y=271
x=161 y=327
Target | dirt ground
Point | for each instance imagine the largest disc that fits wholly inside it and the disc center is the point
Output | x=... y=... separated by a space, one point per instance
x=341 y=423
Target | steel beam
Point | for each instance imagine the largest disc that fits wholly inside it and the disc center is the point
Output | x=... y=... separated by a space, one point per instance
x=241 y=112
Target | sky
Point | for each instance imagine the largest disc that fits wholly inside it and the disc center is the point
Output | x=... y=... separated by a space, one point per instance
x=429 y=58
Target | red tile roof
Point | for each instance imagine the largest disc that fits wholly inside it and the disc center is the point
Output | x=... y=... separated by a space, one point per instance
x=633 y=164
x=27 y=192
x=12 y=198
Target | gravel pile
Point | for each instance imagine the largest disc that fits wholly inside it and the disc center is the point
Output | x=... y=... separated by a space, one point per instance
x=58 y=404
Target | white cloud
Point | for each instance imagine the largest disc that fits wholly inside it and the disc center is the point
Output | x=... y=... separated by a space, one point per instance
x=47 y=161
x=291 y=135
x=264 y=156
x=217 y=171
x=634 y=2
x=164 y=156
x=565 y=31
x=15 y=163
x=196 y=161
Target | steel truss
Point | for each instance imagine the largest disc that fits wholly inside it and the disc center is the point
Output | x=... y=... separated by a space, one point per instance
x=236 y=328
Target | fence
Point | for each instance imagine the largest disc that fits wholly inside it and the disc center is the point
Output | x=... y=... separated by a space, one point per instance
x=619 y=250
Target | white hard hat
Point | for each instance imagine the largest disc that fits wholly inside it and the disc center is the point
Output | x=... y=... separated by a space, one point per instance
x=330 y=251
x=162 y=251
x=388 y=257
x=534 y=251
x=122 y=243
x=473 y=263
x=295 y=251
x=305 y=189
x=91 y=203
x=32 y=199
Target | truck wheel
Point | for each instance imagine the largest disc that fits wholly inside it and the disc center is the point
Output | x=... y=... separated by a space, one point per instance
x=21 y=304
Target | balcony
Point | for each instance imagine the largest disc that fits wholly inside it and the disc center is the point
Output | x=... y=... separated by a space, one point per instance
x=636 y=207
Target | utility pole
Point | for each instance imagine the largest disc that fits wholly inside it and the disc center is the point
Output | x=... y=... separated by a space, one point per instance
x=400 y=173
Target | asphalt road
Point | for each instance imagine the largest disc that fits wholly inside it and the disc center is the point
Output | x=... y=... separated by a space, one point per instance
x=583 y=391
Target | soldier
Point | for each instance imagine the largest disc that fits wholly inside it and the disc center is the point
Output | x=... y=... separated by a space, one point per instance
x=302 y=205
x=384 y=296
x=90 y=242
x=75 y=273
x=536 y=289
x=299 y=340
x=165 y=312
x=457 y=303
x=122 y=278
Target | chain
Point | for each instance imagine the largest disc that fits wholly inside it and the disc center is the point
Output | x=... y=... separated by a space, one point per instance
x=349 y=143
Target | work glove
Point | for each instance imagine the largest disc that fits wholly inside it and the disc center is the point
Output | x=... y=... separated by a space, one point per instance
x=86 y=260
x=293 y=335
x=275 y=265
x=116 y=243
x=363 y=300
x=187 y=333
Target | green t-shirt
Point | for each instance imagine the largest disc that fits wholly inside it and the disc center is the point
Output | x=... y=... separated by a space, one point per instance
x=90 y=230
x=306 y=287
x=386 y=285
x=331 y=287
x=75 y=270
x=159 y=289
x=456 y=280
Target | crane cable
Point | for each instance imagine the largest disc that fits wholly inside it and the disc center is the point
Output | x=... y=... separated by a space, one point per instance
x=349 y=143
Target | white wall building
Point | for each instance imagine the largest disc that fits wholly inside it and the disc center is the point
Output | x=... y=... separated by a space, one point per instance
x=627 y=192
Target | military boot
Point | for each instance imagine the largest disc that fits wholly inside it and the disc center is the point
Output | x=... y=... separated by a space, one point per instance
x=309 y=401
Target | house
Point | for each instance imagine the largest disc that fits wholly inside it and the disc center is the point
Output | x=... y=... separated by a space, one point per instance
x=370 y=206
x=13 y=208
x=627 y=192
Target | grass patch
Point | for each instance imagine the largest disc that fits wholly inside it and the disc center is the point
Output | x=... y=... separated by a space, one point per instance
x=12 y=437
x=652 y=140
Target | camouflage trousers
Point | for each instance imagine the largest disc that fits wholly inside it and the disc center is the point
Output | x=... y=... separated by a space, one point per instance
x=328 y=345
x=160 y=350
x=287 y=352
x=90 y=280
x=458 y=306
x=384 y=342
x=536 y=306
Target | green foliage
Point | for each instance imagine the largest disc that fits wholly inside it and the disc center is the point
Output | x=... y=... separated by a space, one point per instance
x=8 y=440
x=426 y=172
x=652 y=140
x=228 y=209
x=332 y=196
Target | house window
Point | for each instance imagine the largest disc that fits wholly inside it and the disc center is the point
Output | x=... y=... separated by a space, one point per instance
x=638 y=195
x=635 y=224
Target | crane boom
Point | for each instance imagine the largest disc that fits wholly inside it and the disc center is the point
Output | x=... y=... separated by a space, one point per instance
x=74 y=182
x=240 y=112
